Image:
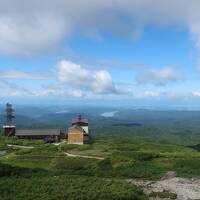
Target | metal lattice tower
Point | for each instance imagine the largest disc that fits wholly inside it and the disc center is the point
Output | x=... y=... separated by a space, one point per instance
x=10 y=115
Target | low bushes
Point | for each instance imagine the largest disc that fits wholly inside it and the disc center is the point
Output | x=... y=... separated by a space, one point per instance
x=67 y=188
x=7 y=170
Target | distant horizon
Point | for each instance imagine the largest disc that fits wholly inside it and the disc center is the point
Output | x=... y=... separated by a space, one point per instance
x=113 y=106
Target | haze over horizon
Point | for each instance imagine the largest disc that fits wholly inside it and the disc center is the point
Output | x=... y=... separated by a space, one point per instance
x=141 y=53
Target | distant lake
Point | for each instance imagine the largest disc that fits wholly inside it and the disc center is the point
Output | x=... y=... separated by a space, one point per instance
x=109 y=114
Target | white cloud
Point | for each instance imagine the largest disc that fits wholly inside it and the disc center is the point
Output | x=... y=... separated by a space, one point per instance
x=8 y=88
x=97 y=82
x=160 y=76
x=59 y=93
x=59 y=90
x=74 y=93
x=12 y=89
x=15 y=74
x=196 y=94
x=73 y=73
x=176 y=95
x=162 y=94
x=20 y=36
x=69 y=79
x=148 y=93
x=33 y=26
x=103 y=83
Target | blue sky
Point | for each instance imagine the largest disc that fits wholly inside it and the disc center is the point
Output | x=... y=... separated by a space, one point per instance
x=142 y=53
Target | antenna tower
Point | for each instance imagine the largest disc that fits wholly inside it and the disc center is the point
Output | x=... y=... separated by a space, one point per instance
x=10 y=114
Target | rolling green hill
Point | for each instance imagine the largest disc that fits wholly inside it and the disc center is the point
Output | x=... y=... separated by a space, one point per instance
x=48 y=173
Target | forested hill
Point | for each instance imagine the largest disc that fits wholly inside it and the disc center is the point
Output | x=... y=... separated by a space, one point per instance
x=102 y=116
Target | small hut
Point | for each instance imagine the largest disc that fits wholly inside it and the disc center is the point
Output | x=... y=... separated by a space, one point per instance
x=78 y=133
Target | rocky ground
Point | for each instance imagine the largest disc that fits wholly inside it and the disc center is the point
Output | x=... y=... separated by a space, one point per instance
x=171 y=187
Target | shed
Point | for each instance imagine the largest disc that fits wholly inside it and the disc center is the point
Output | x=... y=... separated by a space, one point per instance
x=77 y=135
x=54 y=134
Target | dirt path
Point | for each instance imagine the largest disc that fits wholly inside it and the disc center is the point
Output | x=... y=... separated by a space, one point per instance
x=20 y=146
x=57 y=144
x=82 y=156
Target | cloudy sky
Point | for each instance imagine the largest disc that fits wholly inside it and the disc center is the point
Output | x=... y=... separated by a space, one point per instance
x=143 y=52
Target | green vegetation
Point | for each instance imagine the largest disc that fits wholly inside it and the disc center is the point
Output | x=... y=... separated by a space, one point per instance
x=135 y=143
x=8 y=140
x=67 y=187
x=48 y=173
x=161 y=134
x=44 y=172
x=124 y=158
x=130 y=158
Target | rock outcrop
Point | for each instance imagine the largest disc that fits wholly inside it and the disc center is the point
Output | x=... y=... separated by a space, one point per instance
x=171 y=187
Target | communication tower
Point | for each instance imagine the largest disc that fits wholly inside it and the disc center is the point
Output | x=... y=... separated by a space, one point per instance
x=9 y=128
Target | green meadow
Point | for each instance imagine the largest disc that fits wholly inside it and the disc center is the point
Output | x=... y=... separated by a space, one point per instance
x=45 y=172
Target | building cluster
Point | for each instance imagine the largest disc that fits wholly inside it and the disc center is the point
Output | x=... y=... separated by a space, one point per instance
x=77 y=133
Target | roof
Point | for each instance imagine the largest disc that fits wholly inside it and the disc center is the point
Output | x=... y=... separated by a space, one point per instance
x=29 y=132
x=79 y=119
x=9 y=126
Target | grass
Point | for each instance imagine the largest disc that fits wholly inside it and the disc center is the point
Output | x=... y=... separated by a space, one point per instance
x=140 y=159
x=44 y=172
x=124 y=158
x=38 y=157
x=9 y=140
x=63 y=177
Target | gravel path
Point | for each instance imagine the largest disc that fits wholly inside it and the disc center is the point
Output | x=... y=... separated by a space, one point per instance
x=20 y=146
x=82 y=156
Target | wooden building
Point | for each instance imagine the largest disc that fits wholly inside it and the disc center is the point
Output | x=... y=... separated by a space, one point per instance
x=48 y=135
x=78 y=133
